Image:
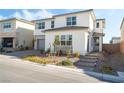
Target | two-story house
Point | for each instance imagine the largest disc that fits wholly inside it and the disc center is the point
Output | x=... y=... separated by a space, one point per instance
x=16 y=33
x=122 y=37
x=78 y=32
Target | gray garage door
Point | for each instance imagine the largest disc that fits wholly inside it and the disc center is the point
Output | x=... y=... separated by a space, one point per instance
x=41 y=44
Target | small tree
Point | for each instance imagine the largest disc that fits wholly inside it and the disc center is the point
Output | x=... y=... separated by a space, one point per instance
x=56 y=42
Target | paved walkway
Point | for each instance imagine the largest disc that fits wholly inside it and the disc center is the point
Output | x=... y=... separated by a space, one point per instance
x=15 y=70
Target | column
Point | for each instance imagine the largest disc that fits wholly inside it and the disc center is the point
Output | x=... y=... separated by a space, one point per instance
x=100 y=43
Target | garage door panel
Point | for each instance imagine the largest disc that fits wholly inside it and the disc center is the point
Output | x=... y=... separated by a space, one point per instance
x=41 y=44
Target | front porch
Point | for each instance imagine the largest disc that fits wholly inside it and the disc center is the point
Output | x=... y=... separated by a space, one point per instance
x=97 y=42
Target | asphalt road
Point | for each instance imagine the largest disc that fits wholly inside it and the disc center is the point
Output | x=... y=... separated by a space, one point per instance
x=13 y=70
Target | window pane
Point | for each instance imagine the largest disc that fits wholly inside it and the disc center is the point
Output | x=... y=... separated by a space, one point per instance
x=70 y=37
x=52 y=24
x=74 y=23
x=74 y=18
x=69 y=42
x=41 y=25
x=97 y=25
x=62 y=42
x=62 y=37
x=69 y=19
x=68 y=23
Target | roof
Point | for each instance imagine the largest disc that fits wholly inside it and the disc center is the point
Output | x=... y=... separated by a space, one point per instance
x=100 y=19
x=89 y=10
x=115 y=37
x=66 y=28
x=122 y=23
x=19 y=19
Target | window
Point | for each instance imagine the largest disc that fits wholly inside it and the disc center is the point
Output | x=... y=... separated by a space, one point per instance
x=66 y=40
x=41 y=25
x=71 y=21
x=6 y=25
x=52 y=24
x=97 y=25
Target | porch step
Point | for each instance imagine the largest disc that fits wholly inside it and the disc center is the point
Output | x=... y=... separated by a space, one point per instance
x=87 y=64
x=89 y=57
x=88 y=60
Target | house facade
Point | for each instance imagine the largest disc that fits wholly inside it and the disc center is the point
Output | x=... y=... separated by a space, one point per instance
x=16 y=33
x=122 y=37
x=78 y=32
x=115 y=40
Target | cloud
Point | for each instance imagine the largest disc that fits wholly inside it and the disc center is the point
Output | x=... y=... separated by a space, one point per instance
x=2 y=17
x=31 y=15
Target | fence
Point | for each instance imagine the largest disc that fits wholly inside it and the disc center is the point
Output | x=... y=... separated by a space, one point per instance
x=111 y=48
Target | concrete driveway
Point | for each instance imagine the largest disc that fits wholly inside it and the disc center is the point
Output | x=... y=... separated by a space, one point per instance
x=15 y=70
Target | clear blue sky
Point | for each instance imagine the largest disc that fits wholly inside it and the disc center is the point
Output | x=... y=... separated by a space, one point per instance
x=113 y=17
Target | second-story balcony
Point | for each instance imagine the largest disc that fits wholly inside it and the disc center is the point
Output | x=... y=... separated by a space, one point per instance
x=98 y=30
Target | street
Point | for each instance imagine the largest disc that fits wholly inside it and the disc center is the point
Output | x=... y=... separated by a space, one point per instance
x=14 y=70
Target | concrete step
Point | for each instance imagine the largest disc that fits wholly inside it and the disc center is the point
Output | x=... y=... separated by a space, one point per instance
x=88 y=60
x=87 y=64
x=93 y=54
x=89 y=57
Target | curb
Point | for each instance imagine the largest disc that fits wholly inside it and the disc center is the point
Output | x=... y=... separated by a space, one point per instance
x=107 y=77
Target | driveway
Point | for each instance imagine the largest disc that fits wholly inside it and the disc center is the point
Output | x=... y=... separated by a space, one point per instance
x=15 y=70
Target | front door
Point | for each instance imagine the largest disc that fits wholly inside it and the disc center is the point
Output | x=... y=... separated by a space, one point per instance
x=96 y=44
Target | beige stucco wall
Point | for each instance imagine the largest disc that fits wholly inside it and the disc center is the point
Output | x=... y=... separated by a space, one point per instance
x=79 y=39
x=24 y=37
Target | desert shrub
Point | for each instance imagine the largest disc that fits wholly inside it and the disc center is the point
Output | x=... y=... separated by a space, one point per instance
x=47 y=51
x=27 y=48
x=66 y=63
x=106 y=69
x=77 y=54
x=37 y=59
x=59 y=52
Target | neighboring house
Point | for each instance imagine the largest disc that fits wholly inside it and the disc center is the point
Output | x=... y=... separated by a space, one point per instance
x=115 y=40
x=122 y=36
x=78 y=32
x=16 y=33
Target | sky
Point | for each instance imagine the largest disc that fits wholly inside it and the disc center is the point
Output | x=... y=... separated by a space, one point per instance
x=113 y=17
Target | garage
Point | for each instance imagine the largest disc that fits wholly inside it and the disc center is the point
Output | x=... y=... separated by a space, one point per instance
x=41 y=44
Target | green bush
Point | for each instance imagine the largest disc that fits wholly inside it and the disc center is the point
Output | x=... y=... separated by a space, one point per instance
x=77 y=54
x=41 y=51
x=66 y=63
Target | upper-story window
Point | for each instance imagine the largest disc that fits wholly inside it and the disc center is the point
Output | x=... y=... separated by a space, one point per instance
x=71 y=21
x=52 y=24
x=41 y=25
x=6 y=25
x=97 y=25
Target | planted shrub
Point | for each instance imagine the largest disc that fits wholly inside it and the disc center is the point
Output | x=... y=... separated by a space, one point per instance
x=107 y=69
x=37 y=59
x=47 y=51
x=66 y=63
x=77 y=54
x=68 y=53
x=41 y=51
